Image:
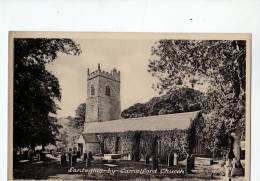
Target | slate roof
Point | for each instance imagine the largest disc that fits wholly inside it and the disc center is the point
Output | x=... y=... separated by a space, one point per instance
x=90 y=138
x=179 y=121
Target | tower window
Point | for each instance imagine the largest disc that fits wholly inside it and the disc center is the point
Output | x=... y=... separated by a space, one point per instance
x=108 y=91
x=92 y=90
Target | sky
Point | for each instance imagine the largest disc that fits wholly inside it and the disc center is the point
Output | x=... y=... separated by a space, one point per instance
x=129 y=56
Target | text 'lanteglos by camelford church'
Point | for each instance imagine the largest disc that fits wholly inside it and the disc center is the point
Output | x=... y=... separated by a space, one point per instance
x=106 y=132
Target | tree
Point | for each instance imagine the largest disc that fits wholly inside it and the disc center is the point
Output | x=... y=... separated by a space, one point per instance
x=36 y=90
x=177 y=101
x=218 y=64
x=72 y=127
x=80 y=116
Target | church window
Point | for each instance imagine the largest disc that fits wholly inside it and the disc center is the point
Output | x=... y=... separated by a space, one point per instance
x=108 y=91
x=92 y=90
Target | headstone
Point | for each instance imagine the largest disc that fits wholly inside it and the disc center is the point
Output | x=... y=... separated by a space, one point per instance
x=63 y=161
x=170 y=159
x=30 y=155
x=42 y=156
x=175 y=160
x=78 y=154
x=90 y=156
x=85 y=156
x=74 y=158
x=155 y=162
x=147 y=159
x=130 y=156
x=203 y=161
x=70 y=158
x=88 y=162
x=25 y=155
x=189 y=163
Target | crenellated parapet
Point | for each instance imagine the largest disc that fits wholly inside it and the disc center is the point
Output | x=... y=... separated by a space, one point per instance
x=113 y=74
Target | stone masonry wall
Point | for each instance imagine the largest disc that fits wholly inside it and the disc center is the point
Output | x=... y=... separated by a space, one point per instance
x=173 y=140
x=101 y=107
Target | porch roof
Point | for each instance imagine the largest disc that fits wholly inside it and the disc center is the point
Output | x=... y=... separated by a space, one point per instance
x=179 y=121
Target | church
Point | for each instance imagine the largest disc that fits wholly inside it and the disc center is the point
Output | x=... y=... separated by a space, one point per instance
x=106 y=132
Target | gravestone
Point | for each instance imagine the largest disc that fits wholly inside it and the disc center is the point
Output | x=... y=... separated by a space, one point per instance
x=85 y=156
x=147 y=159
x=42 y=156
x=70 y=158
x=90 y=156
x=63 y=160
x=74 y=158
x=170 y=160
x=175 y=160
x=130 y=156
x=88 y=162
x=30 y=155
x=78 y=154
x=189 y=163
x=155 y=162
x=25 y=155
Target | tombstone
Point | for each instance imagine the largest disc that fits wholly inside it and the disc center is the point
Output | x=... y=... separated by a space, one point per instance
x=88 y=162
x=131 y=156
x=189 y=163
x=90 y=156
x=70 y=158
x=155 y=162
x=170 y=160
x=175 y=160
x=42 y=157
x=147 y=159
x=37 y=154
x=25 y=155
x=78 y=154
x=63 y=160
x=85 y=156
x=74 y=158
x=30 y=155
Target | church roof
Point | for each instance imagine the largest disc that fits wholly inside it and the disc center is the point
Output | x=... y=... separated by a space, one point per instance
x=179 y=121
x=90 y=138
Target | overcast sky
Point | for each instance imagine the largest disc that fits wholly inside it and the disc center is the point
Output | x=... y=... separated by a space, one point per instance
x=129 y=56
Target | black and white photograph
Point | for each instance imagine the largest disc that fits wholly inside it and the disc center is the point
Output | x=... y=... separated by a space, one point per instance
x=129 y=106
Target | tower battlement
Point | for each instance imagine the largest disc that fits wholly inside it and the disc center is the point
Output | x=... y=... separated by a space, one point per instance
x=113 y=74
x=103 y=95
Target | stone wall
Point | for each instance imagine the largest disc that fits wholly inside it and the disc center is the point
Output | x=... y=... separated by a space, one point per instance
x=173 y=140
x=101 y=107
x=93 y=147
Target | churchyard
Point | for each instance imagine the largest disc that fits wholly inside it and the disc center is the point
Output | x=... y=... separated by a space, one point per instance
x=55 y=167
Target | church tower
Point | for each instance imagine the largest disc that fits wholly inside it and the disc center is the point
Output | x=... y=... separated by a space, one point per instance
x=103 y=95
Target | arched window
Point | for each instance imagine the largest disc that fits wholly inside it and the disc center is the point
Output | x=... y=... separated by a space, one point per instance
x=108 y=91
x=92 y=90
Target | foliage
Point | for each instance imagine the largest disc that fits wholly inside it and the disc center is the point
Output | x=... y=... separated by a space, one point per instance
x=215 y=66
x=80 y=116
x=36 y=90
x=180 y=100
x=72 y=127
x=170 y=140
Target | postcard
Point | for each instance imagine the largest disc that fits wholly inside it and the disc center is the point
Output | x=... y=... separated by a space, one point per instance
x=129 y=106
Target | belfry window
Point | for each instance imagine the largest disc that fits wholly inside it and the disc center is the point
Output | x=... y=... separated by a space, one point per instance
x=92 y=90
x=108 y=91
